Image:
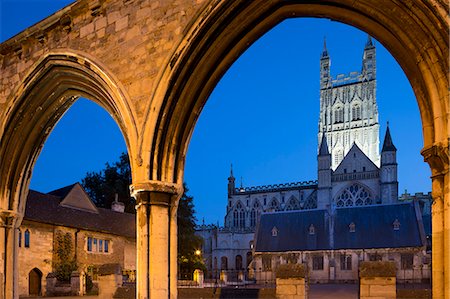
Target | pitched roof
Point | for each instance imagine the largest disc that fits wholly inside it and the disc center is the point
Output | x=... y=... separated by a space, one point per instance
x=350 y=161
x=388 y=145
x=46 y=208
x=292 y=231
x=62 y=192
x=77 y=198
x=374 y=228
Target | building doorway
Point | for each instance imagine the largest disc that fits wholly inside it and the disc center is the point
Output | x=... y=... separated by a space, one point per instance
x=35 y=282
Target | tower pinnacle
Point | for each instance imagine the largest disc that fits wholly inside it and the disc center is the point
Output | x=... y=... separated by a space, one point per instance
x=369 y=42
x=324 y=51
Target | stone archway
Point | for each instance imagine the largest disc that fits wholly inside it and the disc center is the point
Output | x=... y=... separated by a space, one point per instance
x=54 y=84
x=417 y=36
x=153 y=66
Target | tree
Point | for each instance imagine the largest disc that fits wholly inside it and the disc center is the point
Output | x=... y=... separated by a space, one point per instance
x=189 y=244
x=115 y=179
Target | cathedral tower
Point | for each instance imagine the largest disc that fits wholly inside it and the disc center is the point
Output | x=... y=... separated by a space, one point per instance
x=348 y=108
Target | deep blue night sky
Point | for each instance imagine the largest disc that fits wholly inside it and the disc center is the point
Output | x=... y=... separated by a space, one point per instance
x=262 y=116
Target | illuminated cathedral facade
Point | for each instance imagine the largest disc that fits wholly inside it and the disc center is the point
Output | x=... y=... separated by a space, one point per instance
x=352 y=176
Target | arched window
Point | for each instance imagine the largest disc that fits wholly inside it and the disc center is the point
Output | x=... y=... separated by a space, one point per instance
x=224 y=263
x=354 y=195
x=20 y=238
x=339 y=115
x=238 y=262
x=239 y=216
x=274 y=205
x=356 y=112
x=293 y=204
x=253 y=217
x=242 y=218
x=27 y=239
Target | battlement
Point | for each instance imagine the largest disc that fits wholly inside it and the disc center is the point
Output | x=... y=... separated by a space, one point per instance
x=277 y=187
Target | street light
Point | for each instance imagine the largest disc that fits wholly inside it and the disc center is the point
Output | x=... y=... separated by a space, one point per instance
x=198 y=252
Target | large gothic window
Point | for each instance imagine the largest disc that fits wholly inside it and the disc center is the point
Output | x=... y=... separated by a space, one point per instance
x=354 y=195
x=293 y=204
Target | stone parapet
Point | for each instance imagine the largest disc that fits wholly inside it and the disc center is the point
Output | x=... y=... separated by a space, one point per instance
x=291 y=288
x=377 y=288
x=290 y=282
x=377 y=280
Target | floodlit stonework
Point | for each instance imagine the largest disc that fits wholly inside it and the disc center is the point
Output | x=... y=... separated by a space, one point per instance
x=97 y=237
x=152 y=66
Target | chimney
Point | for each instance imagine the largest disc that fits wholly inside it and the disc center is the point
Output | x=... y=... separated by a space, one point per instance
x=118 y=206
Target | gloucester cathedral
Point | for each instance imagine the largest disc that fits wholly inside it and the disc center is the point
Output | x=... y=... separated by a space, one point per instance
x=352 y=213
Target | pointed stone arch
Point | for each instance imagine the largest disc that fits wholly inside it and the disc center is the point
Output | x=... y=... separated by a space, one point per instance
x=54 y=83
x=51 y=87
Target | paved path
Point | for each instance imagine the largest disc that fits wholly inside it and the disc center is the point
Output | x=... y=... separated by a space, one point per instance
x=65 y=297
x=316 y=291
x=335 y=291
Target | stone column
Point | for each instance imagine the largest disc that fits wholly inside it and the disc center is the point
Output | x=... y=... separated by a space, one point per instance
x=9 y=250
x=156 y=228
x=437 y=157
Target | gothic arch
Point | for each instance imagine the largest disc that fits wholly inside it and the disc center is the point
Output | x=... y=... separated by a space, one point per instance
x=50 y=88
x=225 y=29
x=293 y=204
x=273 y=204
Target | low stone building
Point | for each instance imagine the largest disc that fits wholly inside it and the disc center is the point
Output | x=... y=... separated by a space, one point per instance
x=96 y=236
x=332 y=243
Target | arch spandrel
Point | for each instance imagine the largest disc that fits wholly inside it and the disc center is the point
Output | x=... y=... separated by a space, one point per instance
x=224 y=32
x=51 y=87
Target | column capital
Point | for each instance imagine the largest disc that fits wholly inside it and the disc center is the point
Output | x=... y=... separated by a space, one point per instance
x=156 y=186
x=9 y=218
x=437 y=156
x=156 y=193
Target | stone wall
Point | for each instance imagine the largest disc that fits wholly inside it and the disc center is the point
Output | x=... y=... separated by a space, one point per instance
x=39 y=255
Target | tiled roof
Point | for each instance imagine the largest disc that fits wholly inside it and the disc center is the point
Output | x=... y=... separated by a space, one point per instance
x=46 y=208
x=292 y=231
x=374 y=228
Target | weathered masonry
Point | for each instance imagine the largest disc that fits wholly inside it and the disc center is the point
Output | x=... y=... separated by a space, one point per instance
x=152 y=65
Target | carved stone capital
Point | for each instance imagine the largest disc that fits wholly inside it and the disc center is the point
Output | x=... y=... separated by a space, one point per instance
x=156 y=193
x=9 y=219
x=437 y=156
